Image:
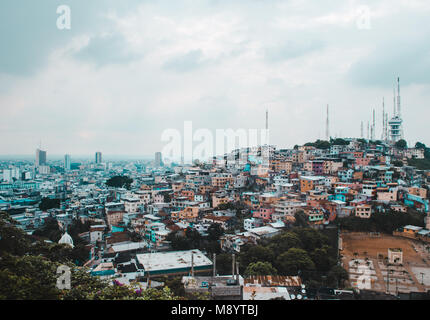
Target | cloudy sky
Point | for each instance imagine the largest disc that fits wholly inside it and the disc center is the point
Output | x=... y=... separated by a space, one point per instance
x=128 y=70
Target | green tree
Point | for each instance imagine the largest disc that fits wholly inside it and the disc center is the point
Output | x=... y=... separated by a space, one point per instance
x=285 y=241
x=322 y=144
x=311 y=238
x=420 y=145
x=301 y=219
x=255 y=253
x=120 y=182
x=260 y=269
x=48 y=203
x=50 y=230
x=337 y=277
x=322 y=259
x=27 y=278
x=289 y=263
x=12 y=239
x=339 y=141
x=215 y=231
x=223 y=263
x=398 y=163
x=401 y=144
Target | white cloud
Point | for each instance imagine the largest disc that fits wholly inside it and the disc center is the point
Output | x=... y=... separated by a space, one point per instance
x=220 y=65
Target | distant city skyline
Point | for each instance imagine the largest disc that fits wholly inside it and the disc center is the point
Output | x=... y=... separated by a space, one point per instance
x=126 y=71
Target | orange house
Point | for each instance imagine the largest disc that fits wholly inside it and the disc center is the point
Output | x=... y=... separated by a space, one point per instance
x=189 y=214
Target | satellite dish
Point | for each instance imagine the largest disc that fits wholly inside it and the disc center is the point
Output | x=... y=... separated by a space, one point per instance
x=303 y=291
x=303 y=286
x=293 y=297
x=299 y=296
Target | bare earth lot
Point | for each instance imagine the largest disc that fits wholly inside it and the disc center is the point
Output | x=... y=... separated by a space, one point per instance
x=364 y=251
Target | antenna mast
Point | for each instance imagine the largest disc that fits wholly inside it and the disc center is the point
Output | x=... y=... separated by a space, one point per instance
x=267 y=119
x=327 y=133
x=383 y=119
x=398 y=97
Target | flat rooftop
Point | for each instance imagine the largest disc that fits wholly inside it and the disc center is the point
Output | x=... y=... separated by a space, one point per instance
x=173 y=260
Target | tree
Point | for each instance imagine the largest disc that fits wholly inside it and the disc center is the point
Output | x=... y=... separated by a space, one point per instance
x=337 y=276
x=322 y=144
x=420 y=145
x=260 y=269
x=285 y=241
x=48 y=203
x=401 y=144
x=28 y=270
x=311 y=238
x=289 y=263
x=50 y=230
x=178 y=242
x=215 y=231
x=322 y=259
x=12 y=239
x=339 y=141
x=301 y=219
x=252 y=253
x=223 y=263
x=27 y=278
x=398 y=163
x=120 y=182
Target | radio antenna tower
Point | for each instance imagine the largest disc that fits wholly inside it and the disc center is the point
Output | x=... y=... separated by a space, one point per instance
x=362 y=130
x=368 y=130
x=383 y=120
x=327 y=133
x=398 y=97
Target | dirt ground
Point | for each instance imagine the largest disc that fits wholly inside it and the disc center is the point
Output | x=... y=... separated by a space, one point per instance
x=412 y=275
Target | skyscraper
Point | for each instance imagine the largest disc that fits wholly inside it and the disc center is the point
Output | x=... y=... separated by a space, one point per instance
x=67 y=162
x=40 y=158
x=158 y=162
x=98 y=157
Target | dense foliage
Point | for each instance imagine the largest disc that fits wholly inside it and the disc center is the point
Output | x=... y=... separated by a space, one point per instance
x=382 y=222
x=303 y=251
x=192 y=239
x=401 y=144
x=48 y=203
x=420 y=164
x=119 y=182
x=51 y=231
x=28 y=271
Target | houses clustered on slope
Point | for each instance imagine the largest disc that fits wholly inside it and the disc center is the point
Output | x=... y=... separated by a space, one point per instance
x=249 y=198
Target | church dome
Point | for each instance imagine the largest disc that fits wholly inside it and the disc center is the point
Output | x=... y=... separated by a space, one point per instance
x=66 y=238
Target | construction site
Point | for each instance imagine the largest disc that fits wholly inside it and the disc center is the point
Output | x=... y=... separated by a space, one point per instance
x=385 y=263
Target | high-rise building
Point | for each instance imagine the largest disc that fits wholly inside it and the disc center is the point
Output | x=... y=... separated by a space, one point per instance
x=7 y=175
x=98 y=157
x=67 y=162
x=158 y=160
x=40 y=157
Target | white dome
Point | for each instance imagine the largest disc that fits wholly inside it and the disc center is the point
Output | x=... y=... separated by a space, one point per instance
x=66 y=238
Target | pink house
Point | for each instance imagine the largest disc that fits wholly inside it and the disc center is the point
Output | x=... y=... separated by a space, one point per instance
x=264 y=213
x=362 y=161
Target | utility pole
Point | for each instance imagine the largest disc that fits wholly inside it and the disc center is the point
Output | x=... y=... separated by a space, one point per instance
x=192 y=264
x=232 y=266
x=388 y=280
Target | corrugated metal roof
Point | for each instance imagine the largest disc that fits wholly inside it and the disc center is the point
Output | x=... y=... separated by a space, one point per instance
x=289 y=281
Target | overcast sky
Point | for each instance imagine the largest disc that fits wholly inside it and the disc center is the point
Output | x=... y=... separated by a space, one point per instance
x=128 y=70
